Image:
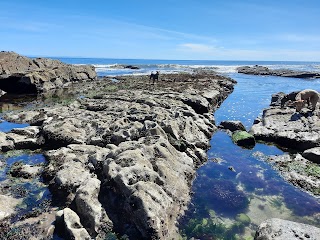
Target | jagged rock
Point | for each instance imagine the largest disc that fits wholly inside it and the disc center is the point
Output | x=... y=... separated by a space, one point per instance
x=90 y=209
x=288 y=128
x=232 y=125
x=7 y=206
x=261 y=70
x=25 y=75
x=143 y=145
x=2 y=92
x=19 y=169
x=243 y=138
x=73 y=227
x=299 y=171
x=312 y=154
x=278 y=229
x=5 y=144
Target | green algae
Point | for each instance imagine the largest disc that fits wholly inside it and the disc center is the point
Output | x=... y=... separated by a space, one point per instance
x=243 y=218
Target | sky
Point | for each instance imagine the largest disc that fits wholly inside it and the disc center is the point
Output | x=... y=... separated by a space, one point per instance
x=281 y=30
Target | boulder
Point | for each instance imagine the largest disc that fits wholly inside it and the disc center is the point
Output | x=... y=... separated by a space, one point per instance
x=243 y=138
x=19 y=74
x=278 y=229
x=312 y=154
x=232 y=125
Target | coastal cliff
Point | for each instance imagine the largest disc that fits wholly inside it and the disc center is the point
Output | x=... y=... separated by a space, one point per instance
x=20 y=74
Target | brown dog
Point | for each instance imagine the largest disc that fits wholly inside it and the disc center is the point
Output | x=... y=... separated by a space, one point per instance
x=308 y=96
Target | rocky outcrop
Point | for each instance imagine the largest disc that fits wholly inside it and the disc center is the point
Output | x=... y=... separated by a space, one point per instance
x=124 y=159
x=70 y=222
x=19 y=74
x=297 y=131
x=261 y=70
x=299 y=171
x=288 y=128
x=278 y=229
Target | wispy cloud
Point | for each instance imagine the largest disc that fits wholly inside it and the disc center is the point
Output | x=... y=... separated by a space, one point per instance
x=295 y=37
x=196 y=48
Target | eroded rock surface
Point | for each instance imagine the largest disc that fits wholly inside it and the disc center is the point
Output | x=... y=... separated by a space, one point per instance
x=297 y=131
x=19 y=74
x=124 y=157
x=278 y=229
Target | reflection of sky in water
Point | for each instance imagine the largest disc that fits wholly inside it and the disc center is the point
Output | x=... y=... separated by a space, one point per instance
x=254 y=188
x=33 y=191
x=8 y=126
x=253 y=93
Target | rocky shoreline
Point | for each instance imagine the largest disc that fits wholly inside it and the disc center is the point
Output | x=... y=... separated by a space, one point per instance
x=299 y=134
x=261 y=70
x=122 y=158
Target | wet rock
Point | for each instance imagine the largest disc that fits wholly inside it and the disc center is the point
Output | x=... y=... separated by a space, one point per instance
x=131 y=152
x=25 y=138
x=243 y=138
x=312 y=154
x=261 y=70
x=232 y=125
x=5 y=144
x=299 y=171
x=7 y=206
x=278 y=229
x=25 y=75
x=18 y=169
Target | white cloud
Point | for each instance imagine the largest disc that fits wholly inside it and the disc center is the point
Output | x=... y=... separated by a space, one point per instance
x=196 y=47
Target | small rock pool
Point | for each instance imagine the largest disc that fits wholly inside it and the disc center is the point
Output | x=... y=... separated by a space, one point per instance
x=237 y=189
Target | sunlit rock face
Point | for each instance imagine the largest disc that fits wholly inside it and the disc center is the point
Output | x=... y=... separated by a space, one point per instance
x=19 y=74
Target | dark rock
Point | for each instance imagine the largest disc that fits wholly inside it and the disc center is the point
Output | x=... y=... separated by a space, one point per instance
x=232 y=125
x=131 y=67
x=260 y=70
x=243 y=138
x=19 y=74
x=312 y=154
x=278 y=229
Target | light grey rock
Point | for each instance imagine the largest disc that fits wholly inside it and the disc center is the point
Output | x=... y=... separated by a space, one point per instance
x=288 y=128
x=90 y=209
x=278 y=229
x=312 y=154
x=73 y=226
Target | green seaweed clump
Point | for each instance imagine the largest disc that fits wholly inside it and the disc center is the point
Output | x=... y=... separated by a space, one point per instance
x=207 y=228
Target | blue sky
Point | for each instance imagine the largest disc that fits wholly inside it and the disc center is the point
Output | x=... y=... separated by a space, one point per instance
x=166 y=29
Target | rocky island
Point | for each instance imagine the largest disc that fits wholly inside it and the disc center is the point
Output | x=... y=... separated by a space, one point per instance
x=261 y=70
x=121 y=157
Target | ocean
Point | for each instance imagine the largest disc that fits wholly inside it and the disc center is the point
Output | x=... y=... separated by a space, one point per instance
x=113 y=67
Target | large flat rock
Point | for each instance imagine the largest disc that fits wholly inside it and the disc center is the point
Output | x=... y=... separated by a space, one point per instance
x=142 y=142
